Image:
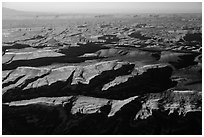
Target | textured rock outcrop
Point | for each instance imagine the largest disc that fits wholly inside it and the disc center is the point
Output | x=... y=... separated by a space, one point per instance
x=88 y=115
x=101 y=79
x=36 y=57
x=12 y=60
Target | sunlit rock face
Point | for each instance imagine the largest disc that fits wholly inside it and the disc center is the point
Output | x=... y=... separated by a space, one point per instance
x=105 y=79
x=171 y=112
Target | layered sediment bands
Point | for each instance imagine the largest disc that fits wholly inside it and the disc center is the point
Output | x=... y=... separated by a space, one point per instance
x=127 y=54
x=44 y=57
x=170 y=112
x=15 y=46
x=101 y=79
x=12 y=60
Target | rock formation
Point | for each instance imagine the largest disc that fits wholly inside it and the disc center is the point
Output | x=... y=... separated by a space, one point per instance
x=99 y=75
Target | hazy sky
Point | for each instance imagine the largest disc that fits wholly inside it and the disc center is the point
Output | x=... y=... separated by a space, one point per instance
x=107 y=7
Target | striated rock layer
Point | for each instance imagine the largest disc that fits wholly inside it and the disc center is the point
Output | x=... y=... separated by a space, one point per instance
x=171 y=112
x=109 y=79
x=108 y=97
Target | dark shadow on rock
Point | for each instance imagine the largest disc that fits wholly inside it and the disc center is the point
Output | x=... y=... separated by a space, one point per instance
x=45 y=61
x=154 y=80
x=81 y=49
x=15 y=46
